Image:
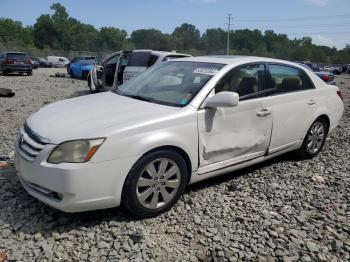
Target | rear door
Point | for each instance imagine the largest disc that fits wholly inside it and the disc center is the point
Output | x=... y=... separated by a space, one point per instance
x=292 y=100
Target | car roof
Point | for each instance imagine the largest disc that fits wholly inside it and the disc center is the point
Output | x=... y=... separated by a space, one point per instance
x=230 y=60
x=160 y=53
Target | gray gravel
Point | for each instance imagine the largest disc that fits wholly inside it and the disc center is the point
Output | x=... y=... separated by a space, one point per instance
x=281 y=210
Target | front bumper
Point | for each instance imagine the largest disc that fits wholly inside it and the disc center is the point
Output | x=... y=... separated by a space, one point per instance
x=72 y=187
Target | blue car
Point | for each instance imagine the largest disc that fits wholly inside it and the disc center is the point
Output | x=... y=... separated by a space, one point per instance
x=81 y=68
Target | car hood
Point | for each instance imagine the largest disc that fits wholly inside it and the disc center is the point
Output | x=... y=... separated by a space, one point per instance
x=93 y=116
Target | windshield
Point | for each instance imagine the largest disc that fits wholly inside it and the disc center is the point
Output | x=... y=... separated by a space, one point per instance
x=171 y=83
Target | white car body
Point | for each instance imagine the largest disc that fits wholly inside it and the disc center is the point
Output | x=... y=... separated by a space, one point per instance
x=58 y=61
x=159 y=56
x=133 y=128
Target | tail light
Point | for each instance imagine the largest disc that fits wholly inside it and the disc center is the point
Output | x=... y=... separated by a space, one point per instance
x=340 y=95
x=326 y=78
x=28 y=61
x=9 y=61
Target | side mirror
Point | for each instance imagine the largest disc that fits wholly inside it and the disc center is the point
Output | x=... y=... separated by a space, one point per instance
x=222 y=99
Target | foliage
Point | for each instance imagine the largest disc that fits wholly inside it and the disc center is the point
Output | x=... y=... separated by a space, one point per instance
x=59 y=31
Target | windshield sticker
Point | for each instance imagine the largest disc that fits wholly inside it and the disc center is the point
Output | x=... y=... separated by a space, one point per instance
x=183 y=101
x=206 y=71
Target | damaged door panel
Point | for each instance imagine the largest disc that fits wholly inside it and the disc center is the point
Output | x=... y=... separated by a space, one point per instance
x=231 y=135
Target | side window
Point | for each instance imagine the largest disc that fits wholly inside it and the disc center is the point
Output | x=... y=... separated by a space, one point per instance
x=112 y=60
x=286 y=79
x=247 y=81
x=152 y=60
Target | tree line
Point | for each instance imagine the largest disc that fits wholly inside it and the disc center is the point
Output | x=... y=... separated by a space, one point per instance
x=59 y=31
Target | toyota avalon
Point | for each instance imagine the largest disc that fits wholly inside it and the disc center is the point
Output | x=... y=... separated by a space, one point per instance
x=180 y=122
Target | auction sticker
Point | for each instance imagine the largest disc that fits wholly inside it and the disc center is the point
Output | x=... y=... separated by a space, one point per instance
x=205 y=71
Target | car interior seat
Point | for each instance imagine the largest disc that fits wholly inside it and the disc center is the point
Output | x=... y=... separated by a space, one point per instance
x=248 y=85
x=290 y=84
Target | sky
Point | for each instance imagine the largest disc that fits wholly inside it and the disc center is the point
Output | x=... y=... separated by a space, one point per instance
x=326 y=21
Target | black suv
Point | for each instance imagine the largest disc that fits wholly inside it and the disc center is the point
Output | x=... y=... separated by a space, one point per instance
x=15 y=62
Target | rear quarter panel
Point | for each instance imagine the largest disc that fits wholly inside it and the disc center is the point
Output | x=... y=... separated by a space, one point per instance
x=327 y=101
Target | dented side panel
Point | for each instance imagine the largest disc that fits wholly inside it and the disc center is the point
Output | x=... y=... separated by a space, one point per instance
x=230 y=133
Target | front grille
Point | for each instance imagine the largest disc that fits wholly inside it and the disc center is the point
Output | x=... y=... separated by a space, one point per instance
x=29 y=143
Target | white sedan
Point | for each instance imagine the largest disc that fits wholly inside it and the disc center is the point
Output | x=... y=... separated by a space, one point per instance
x=178 y=123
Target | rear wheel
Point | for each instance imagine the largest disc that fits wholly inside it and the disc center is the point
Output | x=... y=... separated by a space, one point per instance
x=29 y=73
x=155 y=183
x=314 y=139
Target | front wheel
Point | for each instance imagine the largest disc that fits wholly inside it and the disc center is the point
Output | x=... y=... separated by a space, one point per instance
x=314 y=139
x=29 y=73
x=155 y=183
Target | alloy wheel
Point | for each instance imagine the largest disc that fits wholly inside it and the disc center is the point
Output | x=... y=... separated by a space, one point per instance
x=158 y=183
x=315 y=137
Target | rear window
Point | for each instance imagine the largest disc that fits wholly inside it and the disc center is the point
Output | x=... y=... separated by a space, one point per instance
x=16 y=56
x=139 y=59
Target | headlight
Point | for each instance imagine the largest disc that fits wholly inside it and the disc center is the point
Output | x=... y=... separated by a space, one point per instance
x=77 y=151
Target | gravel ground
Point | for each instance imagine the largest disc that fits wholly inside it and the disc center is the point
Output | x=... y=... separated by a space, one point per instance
x=281 y=210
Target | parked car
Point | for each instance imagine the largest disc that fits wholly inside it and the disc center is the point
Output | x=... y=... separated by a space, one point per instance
x=326 y=76
x=110 y=73
x=345 y=68
x=58 y=61
x=34 y=62
x=78 y=58
x=336 y=70
x=175 y=124
x=140 y=60
x=81 y=68
x=15 y=62
x=128 y=64
x=43 y=62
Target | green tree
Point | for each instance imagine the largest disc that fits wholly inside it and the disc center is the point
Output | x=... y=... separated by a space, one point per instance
x=188 y=37
x=149 y=39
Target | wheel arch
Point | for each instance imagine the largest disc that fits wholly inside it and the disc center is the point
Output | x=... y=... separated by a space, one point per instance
x=178 y=150
x=326 y=118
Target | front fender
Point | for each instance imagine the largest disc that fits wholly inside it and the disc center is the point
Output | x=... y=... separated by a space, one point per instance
x=180 y=132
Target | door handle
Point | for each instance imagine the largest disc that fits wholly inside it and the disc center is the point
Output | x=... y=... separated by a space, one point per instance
x=311 y=102
x=263 y=112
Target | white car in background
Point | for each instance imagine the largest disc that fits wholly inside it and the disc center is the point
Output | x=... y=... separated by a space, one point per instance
x=140 y=60
x=175 y=124
x=58 y=61
x=124 y=65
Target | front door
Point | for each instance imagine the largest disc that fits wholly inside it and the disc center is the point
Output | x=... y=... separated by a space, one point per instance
x=228 y=136
x=109 y=69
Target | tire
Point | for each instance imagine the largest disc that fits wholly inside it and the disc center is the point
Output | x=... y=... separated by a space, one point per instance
x=29 y=73
x=71 y=73
x=317 y=141
x=141 y=188
x=4 y=73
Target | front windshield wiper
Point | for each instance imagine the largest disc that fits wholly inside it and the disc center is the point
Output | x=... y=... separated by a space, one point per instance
x=139 y=97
